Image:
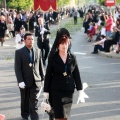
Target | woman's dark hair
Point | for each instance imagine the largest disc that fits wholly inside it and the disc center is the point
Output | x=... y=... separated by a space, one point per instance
x=103 y=36
x=102 y=23
x=63 y=39
x=118 y=19
x=60 y=33
x=102 y=18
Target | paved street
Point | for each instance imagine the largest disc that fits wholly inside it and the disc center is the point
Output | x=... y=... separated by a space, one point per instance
x=101 y=73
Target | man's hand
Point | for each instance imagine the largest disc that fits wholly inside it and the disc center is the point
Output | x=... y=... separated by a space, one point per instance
x=42 y=32
x=21 y=85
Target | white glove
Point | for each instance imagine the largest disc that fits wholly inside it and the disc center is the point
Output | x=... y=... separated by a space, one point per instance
x=82 y=94
x=21 y=85
x=42 y=32
x=46 y=95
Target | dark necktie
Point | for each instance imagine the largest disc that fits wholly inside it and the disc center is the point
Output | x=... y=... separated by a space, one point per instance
x=31 y=56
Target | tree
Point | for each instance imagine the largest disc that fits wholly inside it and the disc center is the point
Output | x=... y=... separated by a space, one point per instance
x=20 y=4
x=61 y=3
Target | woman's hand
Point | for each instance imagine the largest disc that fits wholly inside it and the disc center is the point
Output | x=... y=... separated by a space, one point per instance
x=82 y=94
x=46 y=95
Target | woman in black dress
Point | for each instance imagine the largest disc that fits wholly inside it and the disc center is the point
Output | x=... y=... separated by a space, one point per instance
x=62 y=76
x=3 y=28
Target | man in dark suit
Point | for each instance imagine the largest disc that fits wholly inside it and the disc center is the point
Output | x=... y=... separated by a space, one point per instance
x=30 y=75
x=42 y=32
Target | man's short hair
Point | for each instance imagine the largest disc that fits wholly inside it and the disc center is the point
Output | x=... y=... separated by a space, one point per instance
x=27 y=34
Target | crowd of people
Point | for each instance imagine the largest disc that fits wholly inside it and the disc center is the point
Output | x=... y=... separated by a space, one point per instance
x=105 y=25
x=61 y=76
x=30 y=62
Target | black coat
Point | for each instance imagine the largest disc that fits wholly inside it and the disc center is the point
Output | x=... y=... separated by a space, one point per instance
x=24 y=72
x=41 y=39
x=55 y=80
x=31 y=23
x=17 y=24
x=3 y=28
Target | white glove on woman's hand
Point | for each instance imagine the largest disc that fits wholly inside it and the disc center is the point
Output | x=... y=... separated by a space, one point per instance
x=82 y=94
x=46 y=95
x=21 y=85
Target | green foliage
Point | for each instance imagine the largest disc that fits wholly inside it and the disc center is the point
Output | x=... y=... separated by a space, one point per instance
x=20 y=4
x=102 y=2
x=117 y=1
x=61 y=3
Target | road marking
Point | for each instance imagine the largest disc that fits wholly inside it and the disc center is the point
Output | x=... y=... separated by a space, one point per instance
x=84 y=67
x=96 y=112
x=86 y=57
x=79 y=53
x=115 y=63
x=6 y=45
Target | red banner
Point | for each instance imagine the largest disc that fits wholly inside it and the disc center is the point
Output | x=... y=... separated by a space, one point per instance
x=36 y=4
x=45 y=5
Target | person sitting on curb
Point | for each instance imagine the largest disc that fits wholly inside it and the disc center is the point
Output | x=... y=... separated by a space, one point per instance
x=110 y=40
x=99 y=45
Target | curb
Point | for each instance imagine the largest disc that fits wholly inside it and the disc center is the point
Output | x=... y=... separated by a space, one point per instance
x=110 y=55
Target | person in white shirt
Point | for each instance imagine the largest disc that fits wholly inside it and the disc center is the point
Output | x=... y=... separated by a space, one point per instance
x=99 y=45
x=20 y=38
x=103 y=29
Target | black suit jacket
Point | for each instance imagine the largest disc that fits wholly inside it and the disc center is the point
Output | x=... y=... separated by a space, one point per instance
x=41 y=38
x=54 y=78
x=25 y=73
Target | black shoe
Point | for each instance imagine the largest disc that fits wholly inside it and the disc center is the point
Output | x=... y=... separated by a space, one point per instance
x=94 y=53
x=89 y=40
x=117 y=51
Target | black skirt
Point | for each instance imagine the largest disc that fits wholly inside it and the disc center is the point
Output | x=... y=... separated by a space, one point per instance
x=61 y=102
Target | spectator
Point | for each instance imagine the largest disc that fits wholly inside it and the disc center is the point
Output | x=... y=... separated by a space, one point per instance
x=109 y=23
x=20 y=38
x=99 y=45
x=3 y=29
x=91 y=32
x=118 y=34
x=110 y=40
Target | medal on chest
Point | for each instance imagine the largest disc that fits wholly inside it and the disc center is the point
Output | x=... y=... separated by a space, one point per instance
x=30 y=64
x=65 y=73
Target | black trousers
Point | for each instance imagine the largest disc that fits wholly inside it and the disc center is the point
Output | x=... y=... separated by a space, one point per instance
x=98 y=47
x=45 y=48
x=29 y=103
x=108 y=44
x=75 y=20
